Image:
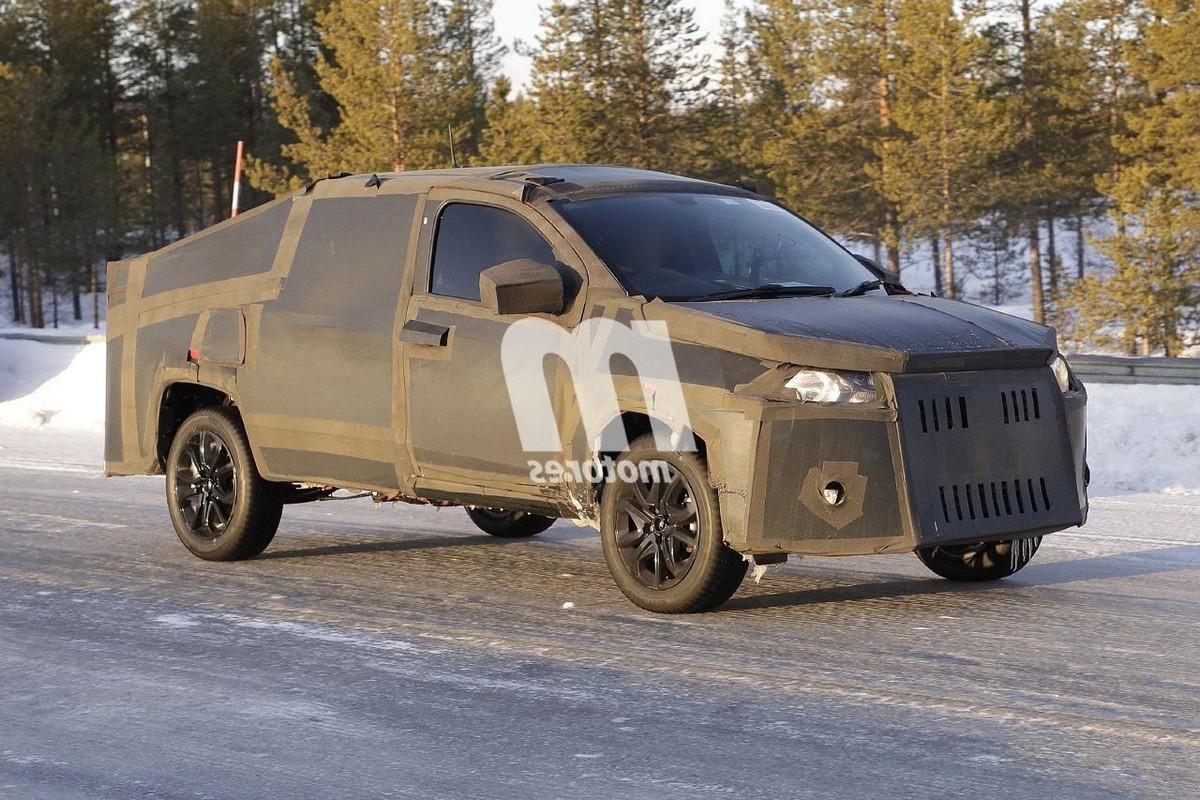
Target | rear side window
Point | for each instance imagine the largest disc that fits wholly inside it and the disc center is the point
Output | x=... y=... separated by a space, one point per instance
x=472 y=238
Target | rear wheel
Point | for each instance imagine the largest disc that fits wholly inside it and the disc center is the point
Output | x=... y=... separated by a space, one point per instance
x=983 y=561
x=662 y=533
x=508 y=524
x=222 y=509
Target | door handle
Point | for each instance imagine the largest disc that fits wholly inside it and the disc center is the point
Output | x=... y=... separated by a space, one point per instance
x=427 y=333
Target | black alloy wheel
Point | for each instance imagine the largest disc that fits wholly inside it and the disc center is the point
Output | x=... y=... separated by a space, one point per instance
x=221 y=507
x=658 y=530
x=206 y=484
x=980 y=561
x=661 y=532
x=505 y=524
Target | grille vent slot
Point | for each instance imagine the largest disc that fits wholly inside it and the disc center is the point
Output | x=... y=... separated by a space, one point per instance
x=943 y=414
x=964 y=502
x=1020 y=405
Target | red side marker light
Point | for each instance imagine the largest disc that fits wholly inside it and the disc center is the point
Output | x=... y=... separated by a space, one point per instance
x=193 y=355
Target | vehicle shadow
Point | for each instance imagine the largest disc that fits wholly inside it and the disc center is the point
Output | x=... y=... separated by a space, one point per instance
x=557 y=534
x=388 y=546
x=1118 y=565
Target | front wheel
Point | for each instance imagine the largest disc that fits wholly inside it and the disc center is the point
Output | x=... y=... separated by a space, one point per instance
x=983 y=561
x=222 y=509
x=508 y=524
x=662 y=533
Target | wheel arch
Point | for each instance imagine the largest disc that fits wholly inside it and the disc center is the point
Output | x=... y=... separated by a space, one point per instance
x=725 y=441
x=177 y=401
x=639 y=423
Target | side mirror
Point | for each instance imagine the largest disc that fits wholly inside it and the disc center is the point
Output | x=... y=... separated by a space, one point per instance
x=878 y=271
x=522 y=287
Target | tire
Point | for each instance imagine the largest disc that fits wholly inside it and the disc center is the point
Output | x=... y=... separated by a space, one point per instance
x=662 y=538
x=508 y=524
x=984 y=561
x=222 y=509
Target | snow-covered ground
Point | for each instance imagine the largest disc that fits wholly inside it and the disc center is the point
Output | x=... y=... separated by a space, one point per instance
x=55 y=386
x=1140 y=438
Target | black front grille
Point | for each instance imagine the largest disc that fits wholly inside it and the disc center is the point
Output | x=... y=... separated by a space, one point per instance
x=973 y=501
x=944 y=413
x=1019 y=404
x=986 y=453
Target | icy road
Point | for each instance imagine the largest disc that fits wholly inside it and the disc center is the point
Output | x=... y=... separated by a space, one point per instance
x=395 y=651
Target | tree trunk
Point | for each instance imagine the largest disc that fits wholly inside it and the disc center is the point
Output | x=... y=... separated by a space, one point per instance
x=997 y=278
x=1052 y=267
x=14 y=282
x=891 y=232
x=1035 y=270
x=1079 y=255
x=936 y=252
x=95 y=289
x=37 y=318
x=1030 y=151
x=178 y=202
x=1130 y=333
x=76 y=301
x=220 y=203
x=948 y=260
x=947 y=194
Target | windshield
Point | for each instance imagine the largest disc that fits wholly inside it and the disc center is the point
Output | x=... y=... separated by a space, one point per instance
x=688 y=247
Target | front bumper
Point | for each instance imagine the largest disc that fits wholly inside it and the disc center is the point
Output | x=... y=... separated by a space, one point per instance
x=953 y=457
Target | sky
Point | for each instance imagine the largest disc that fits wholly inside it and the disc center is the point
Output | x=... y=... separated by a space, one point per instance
x=518 y=19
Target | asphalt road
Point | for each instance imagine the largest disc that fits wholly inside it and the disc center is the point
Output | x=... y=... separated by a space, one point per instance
x=395 y=651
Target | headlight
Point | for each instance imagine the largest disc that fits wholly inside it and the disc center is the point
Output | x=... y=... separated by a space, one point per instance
x=819 y=386
x=1062 y=373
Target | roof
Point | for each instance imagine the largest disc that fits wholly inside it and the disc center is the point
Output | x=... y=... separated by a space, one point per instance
x=541 y=181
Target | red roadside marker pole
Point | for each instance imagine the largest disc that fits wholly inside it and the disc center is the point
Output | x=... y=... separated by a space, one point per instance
x=237 y=177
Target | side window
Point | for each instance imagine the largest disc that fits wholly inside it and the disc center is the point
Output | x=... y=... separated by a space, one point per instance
x=471 y=238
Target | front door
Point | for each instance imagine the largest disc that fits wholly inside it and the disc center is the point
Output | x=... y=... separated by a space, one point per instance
x=461 y=428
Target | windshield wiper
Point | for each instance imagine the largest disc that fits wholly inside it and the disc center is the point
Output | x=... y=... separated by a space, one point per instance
x=768 y=290
x=862 y=288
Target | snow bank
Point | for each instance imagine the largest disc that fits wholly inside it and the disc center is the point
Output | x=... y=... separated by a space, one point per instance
x=1141 y=438
x=55 y=386
x=1144 y=438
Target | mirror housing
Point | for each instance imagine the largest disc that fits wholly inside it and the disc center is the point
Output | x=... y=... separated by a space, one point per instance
x=891 y=281
x=888 y=278
x=522 y=287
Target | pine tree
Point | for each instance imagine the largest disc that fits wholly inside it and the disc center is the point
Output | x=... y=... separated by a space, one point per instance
x=569 y=81
x=953 y=128
x=995 y=261
x=472 y=55
x=58 y=213
x=225 y=101
x=718 y=144
x=825 y=86
x=614 y=80
x=400 y=73
x=1153 y=293
x=511 y=126
x=654 y=78
x=1086 y=91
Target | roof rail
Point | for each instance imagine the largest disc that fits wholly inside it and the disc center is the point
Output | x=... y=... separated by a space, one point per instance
x=308 y=187
x=531 y=178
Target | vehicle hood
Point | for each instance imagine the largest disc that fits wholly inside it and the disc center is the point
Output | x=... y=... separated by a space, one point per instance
x=899 y=333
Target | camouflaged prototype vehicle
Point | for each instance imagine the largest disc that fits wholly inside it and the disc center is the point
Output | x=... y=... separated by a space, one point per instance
x=361 y=335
